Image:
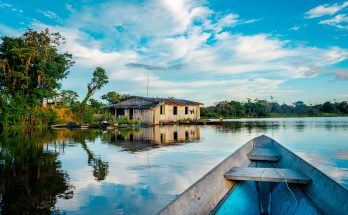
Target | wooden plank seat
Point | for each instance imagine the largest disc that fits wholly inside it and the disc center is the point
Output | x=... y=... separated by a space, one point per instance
x=267 y=174
x=263 y=154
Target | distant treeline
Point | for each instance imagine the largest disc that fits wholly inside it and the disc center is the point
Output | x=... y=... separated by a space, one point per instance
x=263 y=108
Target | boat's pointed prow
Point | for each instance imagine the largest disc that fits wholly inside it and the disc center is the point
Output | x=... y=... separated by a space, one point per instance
x=263 y=141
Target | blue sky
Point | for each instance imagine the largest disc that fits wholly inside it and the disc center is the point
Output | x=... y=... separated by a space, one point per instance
x=196 y=49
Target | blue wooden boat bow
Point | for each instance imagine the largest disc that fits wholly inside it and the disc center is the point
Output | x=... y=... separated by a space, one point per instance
x=262 y=177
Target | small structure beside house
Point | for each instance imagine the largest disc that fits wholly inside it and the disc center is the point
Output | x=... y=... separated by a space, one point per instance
x=156 y=110
x=52 y=102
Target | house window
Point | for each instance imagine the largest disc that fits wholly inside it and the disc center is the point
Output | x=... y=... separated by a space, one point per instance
x=175 y=135
x=163 y=110
x=186 y=110
x=175 y=110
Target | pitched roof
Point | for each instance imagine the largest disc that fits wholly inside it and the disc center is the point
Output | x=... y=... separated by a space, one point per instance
x=152 y=102
x=133 y=106
x=169 y=101
x=178 y=101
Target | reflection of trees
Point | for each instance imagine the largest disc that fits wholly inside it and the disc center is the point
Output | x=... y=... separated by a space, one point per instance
x=100 y=168
x=31 y=177
x=252 y=126
x=300 y=125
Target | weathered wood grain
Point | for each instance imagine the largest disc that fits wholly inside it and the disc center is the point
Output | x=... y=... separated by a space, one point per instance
x=262 y=154
x=267 y=174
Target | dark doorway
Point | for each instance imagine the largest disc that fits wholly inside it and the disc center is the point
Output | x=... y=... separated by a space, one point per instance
x=131 y=137
x=175 y=135
x=119 y=112
x=130 y=113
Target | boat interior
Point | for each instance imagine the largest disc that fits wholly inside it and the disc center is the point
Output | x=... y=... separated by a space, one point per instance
x=265 y=188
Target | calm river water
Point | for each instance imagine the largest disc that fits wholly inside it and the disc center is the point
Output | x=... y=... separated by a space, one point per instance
x=140 y=171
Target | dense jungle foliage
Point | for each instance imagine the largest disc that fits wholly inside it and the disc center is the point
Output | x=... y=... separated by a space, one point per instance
x=31 y=71
x=263 y=108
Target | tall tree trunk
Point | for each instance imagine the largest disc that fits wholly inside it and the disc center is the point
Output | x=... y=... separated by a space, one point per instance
x=89 y=94
x=84 y=101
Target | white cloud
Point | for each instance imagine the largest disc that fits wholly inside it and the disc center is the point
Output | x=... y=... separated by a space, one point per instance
x=295 y=28
x=298 y=27
x=5 y=5
x=69 y=7
x=51 y=15
x=130 y=22
x=226 y=21
x=184 y=13
x=5 y=30
x=339 y=21
x=10 y=7
x=326 y=9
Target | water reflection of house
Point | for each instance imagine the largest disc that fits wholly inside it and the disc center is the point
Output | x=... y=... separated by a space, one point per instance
x=156 y=110
x=137 y=140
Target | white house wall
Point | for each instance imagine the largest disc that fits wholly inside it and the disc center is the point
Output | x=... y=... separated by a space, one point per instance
x=168 y=115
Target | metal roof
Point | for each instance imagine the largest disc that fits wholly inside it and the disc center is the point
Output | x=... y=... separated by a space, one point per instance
x=178 y=101
x=134 y=106
x=152 y=103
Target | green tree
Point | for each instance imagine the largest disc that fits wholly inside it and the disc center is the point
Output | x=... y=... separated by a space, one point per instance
x=69 y=97
x=95 y=104
x=113 y=97
x=238 y=109
x=249 y=108
x=328 y=107
x=31 y=65
x=343 y=107
x=31 y=69
x=300 y=107
x=99 y=79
